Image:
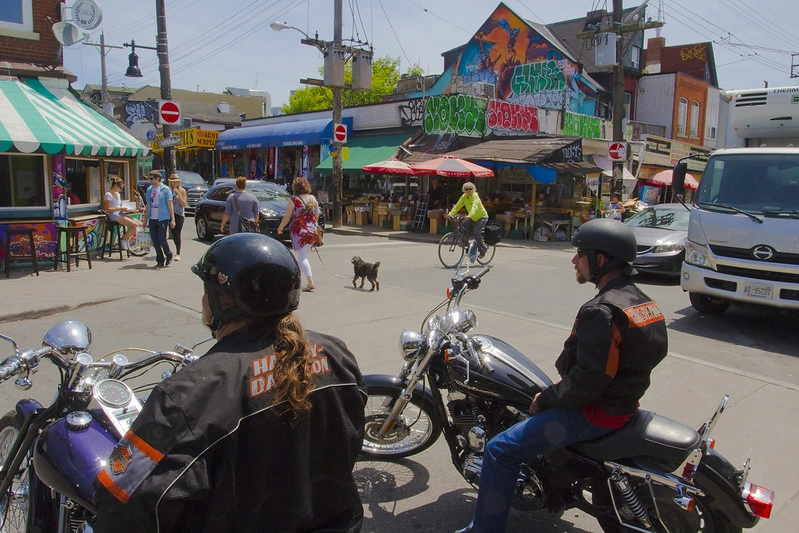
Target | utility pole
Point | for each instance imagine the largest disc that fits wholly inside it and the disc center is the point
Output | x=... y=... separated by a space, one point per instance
x=618 y=97
x=338 y=178
x=166 y=82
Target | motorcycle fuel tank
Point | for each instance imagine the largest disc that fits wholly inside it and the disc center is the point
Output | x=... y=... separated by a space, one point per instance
x=68 y=458
x=504 y=374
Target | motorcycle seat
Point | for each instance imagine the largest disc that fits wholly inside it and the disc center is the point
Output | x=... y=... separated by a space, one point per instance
x=647 y=434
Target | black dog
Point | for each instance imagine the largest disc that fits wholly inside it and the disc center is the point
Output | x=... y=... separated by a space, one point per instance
x=366 y=271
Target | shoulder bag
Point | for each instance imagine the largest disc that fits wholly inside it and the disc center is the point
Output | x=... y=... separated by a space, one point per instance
x=320 y=231
x=245 y=224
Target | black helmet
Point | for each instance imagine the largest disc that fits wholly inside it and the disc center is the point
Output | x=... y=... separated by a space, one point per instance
x=610 y=237
x=258 y=273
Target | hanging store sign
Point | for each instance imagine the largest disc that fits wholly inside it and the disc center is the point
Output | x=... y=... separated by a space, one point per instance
x=189 y=138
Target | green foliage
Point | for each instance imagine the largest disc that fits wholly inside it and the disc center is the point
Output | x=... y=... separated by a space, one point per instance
x=385 y=75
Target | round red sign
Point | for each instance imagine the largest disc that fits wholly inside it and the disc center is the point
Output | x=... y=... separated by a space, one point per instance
x=340 y=133
x=617 y=151
x=170 y=112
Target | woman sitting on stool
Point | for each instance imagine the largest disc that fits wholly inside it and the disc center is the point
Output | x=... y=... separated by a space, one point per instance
x=112 y=204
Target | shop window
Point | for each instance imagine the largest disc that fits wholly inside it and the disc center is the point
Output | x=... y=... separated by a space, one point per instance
x=682 y=117
x=16 y=18
x=22 y=181
x=83 y=182
x=115 y=168
x=694 y=120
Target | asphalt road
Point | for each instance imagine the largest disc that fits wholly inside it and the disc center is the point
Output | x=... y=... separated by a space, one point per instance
x=528 y=299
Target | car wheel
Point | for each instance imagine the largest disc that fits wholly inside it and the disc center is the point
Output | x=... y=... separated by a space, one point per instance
x=708 y=304
x=204 y=231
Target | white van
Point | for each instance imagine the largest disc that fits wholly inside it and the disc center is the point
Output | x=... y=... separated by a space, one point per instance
x=743 y=234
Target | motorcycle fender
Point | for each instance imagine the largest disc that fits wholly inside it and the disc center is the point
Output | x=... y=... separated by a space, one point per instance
x=25 y=408
x=394 y=382
x=720 y=485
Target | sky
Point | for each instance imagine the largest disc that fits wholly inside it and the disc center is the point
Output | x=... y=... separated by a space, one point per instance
x=214 y=45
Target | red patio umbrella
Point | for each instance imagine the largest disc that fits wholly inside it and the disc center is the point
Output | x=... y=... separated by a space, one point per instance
x=664 y=177
x=389 y=166
x=450 y=166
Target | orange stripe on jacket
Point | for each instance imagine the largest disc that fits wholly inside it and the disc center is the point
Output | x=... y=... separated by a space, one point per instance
x=613 y=355
x=644 y=314
x=143 y=447
x=112 y=487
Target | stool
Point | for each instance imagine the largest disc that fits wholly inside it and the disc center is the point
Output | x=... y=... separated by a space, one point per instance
x=112 y=239
x=72 y=236
x=32 y=249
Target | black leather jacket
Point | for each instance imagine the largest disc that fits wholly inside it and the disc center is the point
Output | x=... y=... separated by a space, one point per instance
x=617 y=339
x=209 y=452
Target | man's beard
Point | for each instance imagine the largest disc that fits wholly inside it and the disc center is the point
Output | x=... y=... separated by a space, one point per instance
x=580 y=278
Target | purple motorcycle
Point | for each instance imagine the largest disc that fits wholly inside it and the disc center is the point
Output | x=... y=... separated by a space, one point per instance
x=51 y=455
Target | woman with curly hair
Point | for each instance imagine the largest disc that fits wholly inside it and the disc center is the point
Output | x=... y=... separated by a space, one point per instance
x=259 y=434
x=303 y=212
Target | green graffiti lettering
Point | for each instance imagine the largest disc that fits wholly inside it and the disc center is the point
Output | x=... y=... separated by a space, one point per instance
x=457 y=113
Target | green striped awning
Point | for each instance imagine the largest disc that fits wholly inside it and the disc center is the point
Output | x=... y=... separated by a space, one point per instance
x=44 y=116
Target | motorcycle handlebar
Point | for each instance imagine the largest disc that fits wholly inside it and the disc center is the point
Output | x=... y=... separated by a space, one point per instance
x=18 y=363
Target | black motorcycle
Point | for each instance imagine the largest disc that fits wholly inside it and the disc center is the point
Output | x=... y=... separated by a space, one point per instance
x=654 y=474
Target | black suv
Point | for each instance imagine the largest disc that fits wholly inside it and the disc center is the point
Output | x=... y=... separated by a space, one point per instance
x=195 y=186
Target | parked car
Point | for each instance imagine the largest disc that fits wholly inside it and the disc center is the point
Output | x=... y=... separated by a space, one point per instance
x=661 y=231
x=272 y=200
x=195 y=186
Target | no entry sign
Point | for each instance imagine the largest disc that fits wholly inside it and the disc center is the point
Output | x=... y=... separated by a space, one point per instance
x=617 y=151
x=168 y=112
x=340 y=133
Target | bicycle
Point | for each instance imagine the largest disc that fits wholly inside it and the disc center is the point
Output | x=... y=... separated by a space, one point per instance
x=455 y=245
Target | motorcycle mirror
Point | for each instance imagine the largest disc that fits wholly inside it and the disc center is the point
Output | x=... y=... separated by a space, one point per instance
x=69 y=337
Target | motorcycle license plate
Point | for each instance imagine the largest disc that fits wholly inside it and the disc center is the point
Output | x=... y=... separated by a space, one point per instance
x=758 y=290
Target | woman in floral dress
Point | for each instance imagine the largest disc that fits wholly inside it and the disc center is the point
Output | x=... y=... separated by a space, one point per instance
x=303 y=212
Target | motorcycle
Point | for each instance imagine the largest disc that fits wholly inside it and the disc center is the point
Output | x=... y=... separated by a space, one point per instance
x=654 y=474
x=51 y=455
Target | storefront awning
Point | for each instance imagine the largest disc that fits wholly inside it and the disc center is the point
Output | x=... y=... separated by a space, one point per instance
x=44 y=116
x=302 y=133
x=363 y=150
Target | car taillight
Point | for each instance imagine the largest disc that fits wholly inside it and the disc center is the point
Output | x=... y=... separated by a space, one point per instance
x=760 y=499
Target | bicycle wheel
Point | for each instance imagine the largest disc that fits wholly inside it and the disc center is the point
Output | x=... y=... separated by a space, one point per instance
x=450 y=250
x=491 y=250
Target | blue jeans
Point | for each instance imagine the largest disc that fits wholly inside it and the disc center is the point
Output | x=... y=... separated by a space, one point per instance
x=158 y=235
x=549 y=430
x=476 y=228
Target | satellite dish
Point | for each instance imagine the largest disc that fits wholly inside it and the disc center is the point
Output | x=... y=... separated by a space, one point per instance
x=66 y=33
x=87 y=14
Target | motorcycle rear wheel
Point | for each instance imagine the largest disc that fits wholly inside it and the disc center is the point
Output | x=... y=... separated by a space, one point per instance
x=415 y=431
x=702 y=519
x=14 y=505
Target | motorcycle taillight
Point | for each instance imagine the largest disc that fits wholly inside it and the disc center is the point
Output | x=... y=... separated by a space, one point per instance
x=760 y=499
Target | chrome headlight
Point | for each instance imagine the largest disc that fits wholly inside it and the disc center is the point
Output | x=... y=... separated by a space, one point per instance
x=696 y=254
x=434 y=322
x=410 y=341
x=269 y=213
x=461 y=321
x=69 y=337
x=666 y=248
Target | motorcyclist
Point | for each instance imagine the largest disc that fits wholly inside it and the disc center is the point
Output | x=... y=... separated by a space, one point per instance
x=617 y=339
x=261 y=433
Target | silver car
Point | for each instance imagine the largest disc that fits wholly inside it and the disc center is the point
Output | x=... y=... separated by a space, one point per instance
x=661 y=231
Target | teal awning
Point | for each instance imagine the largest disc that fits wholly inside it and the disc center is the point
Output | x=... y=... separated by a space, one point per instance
x=44 y=116
x=364 y=150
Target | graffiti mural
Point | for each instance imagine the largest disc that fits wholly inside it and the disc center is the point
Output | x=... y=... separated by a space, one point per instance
x=456 y=113
x=412 y=112
x=43 y=240
x=582 y=126
x=522 y=67
x=506 y=116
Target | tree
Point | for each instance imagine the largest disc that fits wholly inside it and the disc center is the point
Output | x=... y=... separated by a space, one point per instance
x=385 y=75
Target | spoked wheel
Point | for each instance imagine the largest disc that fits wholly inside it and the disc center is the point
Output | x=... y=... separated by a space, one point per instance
x=492 y=249
x=701 y=519
x=450 y=251
x=15 y=504
x=416 y=429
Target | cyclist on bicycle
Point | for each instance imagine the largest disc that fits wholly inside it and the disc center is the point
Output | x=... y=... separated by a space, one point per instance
x=475 y=220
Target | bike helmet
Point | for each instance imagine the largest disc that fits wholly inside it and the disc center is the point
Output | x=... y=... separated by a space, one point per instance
x=611 y=238
x=255 y=271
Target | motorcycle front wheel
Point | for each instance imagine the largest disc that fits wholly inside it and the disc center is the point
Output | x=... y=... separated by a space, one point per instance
x=15 y=504
x=416 y=429
x=703 y=518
